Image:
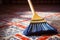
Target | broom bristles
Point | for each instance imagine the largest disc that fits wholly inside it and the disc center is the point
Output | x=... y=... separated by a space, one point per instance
x=37 y=29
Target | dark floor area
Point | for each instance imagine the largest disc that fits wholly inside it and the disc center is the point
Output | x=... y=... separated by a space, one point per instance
x=10 y=9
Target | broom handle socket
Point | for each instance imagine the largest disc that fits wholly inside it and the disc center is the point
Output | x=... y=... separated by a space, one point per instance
x=31 y=7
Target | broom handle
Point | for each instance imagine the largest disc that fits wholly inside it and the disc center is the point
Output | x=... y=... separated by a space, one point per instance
x=31 y=7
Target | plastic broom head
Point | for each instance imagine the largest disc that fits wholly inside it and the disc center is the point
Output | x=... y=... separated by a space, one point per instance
x=37 y=19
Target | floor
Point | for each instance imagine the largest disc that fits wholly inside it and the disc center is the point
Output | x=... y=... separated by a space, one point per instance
x=14 y=19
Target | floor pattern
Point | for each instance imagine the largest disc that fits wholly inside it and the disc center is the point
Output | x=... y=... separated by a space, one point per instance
x=12 y=26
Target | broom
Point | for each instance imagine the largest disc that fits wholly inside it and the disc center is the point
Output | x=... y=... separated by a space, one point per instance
x=38 y=26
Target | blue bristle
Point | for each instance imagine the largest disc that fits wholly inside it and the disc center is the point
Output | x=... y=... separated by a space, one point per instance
x=45 y=26
x=50 y=27
x=39 y=28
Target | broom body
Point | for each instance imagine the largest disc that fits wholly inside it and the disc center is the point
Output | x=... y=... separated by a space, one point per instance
x=38 y=25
